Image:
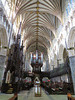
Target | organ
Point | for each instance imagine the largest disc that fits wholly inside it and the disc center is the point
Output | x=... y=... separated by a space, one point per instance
x=36 y=61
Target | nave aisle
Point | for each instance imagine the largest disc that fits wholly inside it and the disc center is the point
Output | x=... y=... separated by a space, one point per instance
x=29 y=95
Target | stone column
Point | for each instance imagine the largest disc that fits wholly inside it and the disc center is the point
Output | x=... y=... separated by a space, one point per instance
x=47 y=65
x=2 y=63
x=72 y=66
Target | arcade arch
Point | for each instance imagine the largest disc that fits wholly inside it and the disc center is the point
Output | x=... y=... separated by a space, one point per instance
x=65 y=56
x=3 y=50
x=55 y=60
x=71 y=42
x=52 y=64
x=3 y=41
x=60 y=55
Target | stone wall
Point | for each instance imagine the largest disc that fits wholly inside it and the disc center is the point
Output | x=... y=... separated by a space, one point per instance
x=2 y=64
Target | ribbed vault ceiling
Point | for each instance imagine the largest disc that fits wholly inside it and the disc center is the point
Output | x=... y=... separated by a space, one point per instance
x=38 y=17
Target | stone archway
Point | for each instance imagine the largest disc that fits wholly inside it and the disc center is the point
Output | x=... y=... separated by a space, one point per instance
x=52 y=64
x=65 y=56
x=3 y=41
x=55 y=60
x=3 y=51
x=71 y=42
x=60 y=54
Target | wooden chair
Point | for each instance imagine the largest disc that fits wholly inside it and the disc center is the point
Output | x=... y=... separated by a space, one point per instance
x=69 y=96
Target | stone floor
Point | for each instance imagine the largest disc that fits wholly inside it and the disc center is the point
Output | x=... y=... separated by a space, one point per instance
x=29 y=95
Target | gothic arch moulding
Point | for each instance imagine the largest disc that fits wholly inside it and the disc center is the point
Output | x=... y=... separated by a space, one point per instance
x=65 y=56
x=71 y=42
x=55 y=60
x=60 y=54
x=3 y=41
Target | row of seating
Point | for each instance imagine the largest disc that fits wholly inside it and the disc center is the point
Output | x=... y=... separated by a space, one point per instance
x=58 y=87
